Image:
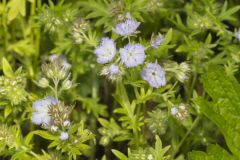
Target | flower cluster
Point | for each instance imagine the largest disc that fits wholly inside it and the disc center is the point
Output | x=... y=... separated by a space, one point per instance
x=131 y=55
x=51 y=114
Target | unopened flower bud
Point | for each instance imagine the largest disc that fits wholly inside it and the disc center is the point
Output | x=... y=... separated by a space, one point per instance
x=67 y=84
x=43 y=82
x=54 y=128
x=62 y=73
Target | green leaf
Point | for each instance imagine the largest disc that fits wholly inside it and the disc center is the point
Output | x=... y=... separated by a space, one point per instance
x=168 y=37
x=45 y=134
x=16 y=7
x=120 y=155
x=7 y=69
x=227 y=14
x=7 y=111
x=214 y=152
x=224 y=109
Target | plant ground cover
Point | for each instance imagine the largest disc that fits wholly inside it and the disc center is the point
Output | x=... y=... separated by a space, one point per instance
x=119 y=79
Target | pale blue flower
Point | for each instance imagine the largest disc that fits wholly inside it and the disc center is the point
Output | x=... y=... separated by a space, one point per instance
x=106 y=51
x=64 y=136
x=174 y=111
x=132 y=54
x=154 y=75
x=157 y=41
x=41 y=108
x=113 y=69
x=238 y=34
x=127 y=27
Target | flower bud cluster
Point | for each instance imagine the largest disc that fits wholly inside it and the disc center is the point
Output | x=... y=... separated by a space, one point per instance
x=181 y=71
x=79 y=27
x=55 y=71
x=12 y=89
x=7 y=137
x=50 y=21
x=157 y=121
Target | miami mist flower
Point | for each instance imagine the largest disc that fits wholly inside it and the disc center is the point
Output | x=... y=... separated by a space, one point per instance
x=132 y=54
x=154 y=75
x=106 y=51
x=41 y=111
x=157 y=41
x=127 y=27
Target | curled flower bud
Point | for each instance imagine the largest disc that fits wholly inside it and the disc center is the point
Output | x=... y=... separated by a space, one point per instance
x=64 y=136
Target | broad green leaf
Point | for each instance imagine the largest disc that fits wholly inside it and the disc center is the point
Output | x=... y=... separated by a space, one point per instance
x=7 y=69
x=224 y=109
x=214 y=152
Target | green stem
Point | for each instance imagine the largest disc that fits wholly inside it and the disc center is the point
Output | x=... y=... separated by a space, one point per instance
x=56 y=81
x=185 y=136
x=5 y=28
x=193 y=82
